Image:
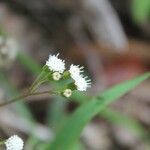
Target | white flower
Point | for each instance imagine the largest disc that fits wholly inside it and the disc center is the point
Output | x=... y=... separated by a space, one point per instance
x=82 y=83
x=67 y=92
x=56 y=76
x=55 y=64
x=14 y=143
x=8 y=51
x=12 y=46
x=75 y=70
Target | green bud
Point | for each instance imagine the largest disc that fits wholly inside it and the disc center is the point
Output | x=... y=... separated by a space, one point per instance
x=67 y=93
x=56 y=76
x=66 y=75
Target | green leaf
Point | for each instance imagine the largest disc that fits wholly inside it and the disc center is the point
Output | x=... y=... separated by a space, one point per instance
x=140 y=10
x=71 y=131
x=117 y=118
x=78 y=146
x=56 y=114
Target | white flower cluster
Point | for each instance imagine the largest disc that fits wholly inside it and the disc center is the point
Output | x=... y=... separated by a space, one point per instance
x=57 y=66
x=14 y=143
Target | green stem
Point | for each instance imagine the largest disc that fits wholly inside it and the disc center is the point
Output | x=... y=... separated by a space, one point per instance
x=25 y=96
x=40 y=79
x=31 y=89
x=35 y=86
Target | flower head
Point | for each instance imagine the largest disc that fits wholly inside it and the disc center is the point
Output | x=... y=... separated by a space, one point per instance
x=67 y=92
x=82 y=83
x=8 y=51
x=75 y=70
x=55 y=64
x=14 y=143
x=56 y=76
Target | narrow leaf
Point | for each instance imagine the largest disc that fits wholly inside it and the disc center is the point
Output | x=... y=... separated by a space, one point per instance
x=71 y=131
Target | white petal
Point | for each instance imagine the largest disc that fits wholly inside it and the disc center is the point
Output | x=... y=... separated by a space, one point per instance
x=55 y=64
x=75 y=70
x=81 y=83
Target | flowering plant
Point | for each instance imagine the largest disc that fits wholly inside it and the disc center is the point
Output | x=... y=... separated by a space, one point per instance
x=55 y=71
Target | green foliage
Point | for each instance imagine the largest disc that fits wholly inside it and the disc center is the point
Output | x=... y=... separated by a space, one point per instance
x=141 y=10
x=55 y=115
x=116 y=117
x=72 y=129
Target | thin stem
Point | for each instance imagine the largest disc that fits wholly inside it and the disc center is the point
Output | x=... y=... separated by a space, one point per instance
x=25 y=96
x=35 y=86
x=37 y=82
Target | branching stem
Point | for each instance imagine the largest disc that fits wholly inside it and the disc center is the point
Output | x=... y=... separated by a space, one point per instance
x=25 y=96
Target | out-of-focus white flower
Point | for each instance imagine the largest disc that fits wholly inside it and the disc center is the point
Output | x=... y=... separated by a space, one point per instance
x=12 y=46
x=8 y=51
x=14 y=143
x=55 y=64
x=82 y=83
x=67 y=93
x=56 y=76
x=75 y=70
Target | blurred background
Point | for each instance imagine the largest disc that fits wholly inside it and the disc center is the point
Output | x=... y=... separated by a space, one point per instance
x=111 y=38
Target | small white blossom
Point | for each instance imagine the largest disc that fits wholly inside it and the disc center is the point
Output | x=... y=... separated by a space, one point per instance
x=56 y=76
x=14 y=143
x=75 y=70
x=55 y=64
x=82 y=83
x=67 y=93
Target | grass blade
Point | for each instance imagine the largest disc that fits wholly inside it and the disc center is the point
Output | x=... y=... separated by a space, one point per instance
x=71 y=131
